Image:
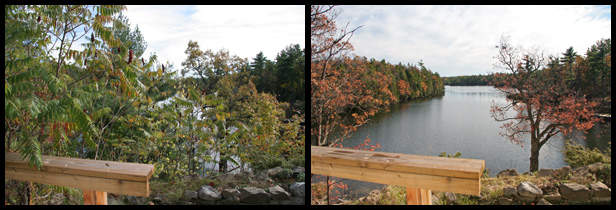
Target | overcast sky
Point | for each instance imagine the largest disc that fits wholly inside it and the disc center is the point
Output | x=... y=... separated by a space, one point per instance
x=243 y=30
x=460 y=40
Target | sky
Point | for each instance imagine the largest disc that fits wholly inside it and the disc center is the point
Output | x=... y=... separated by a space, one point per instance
x=460 y=40
x=242 y=30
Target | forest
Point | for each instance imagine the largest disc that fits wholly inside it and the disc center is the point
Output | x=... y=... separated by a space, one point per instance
x=78 y=85
x=346 y=90
x=469 y=80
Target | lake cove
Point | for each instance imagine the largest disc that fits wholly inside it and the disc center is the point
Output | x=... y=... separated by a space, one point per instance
x=459 y=121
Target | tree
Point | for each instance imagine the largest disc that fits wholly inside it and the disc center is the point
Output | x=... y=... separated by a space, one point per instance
x=290 y=75
x=543 y=104
x=333 y=90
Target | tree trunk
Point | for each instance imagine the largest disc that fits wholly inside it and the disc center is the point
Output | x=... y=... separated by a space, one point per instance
x=222 y=164
x=327 y=185
x=534 y=155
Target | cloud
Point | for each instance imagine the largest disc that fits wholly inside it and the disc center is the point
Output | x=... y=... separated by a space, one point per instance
x=460 y=40
x=243 y=30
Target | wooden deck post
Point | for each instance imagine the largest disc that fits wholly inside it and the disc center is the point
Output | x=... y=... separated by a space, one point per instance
x=417 y=196
x=92 y=197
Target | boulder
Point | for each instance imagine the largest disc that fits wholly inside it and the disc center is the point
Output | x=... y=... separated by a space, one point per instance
x=510 y=192
x=190 y=195
x=600 y=192
x=298 y=189
x=543 y=202
x=278 y=193
x=274 y=172
x=528 y=192
x=545 y=172
x=505 y=201
x=209 y=194
x=254 y=195
x=507 y=172
x=231 y=195
x=553 y=197
x=575 y=192
x=595 y=167
x=450 y=197
x=298 y=170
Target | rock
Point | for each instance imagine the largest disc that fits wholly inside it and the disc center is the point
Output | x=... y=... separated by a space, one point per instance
x=528 y=192
x=575 y=192
x=296 y=201
x=505 y=201
x=57 y=199
x=543 y=202
x=158 y=199
x=563 y=172
x=254 y=195
x=134 y=200
x=208 y=193
x=545 y=172
x=190 y=195
x=510 y=192
x=450 y=197
x=298 y=189
x=298 y=170
x=278 y=193
x=553 y=198
x=600 y=192
x=274 y=172
x=507 y=172
x=231 y=195
x=372 y=198
x=595 y=167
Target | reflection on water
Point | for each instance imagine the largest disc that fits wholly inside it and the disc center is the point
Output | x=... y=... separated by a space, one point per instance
x=461 y=122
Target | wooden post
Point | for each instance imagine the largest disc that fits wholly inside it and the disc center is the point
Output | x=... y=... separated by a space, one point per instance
x=92 y=197
x=417 y=196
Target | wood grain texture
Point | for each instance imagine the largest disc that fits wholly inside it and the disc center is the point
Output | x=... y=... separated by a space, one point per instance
x=91 y=197
x=126 y=187
x=417 y=196
x=85 y=167
x=415 y=171
x=419 y=164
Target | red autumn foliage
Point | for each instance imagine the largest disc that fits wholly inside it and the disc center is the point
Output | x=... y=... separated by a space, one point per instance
x=542 y=103
x=130 y=56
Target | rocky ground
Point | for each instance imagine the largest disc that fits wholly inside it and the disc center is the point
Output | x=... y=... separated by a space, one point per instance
x=583 y=185
x=273 y=186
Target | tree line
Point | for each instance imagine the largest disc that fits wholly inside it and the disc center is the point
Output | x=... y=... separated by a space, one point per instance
x=107 y=101
x=469 y=80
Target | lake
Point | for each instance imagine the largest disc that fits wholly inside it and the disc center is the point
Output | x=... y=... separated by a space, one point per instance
x=459 y=121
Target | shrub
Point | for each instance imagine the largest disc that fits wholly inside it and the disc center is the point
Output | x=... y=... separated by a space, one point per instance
x=577 y=155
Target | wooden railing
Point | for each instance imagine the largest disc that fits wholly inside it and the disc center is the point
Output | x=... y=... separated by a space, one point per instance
x=94 y=177
x=419 y=174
